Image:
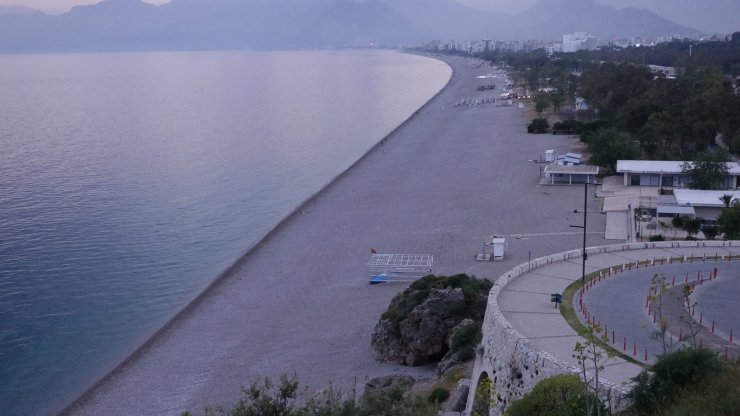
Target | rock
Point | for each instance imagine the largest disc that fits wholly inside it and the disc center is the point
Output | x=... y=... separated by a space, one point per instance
x=423 y=337
x=386 y=383
x=452 y=358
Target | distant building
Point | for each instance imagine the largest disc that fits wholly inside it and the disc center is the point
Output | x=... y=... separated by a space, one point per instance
x=579 y=41
x=668 y=71
x=706 y=205
x=666 y=174
x=556 y=47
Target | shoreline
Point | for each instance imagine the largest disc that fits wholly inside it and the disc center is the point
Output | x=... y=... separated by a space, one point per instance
x=465 y=166
x=232 y=269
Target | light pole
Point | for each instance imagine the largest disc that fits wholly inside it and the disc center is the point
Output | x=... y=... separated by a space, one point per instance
x=585 y=256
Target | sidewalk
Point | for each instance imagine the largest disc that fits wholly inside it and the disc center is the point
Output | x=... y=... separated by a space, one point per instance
x=525 y=303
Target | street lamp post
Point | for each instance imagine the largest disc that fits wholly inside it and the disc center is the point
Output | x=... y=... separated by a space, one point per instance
x=584 y=255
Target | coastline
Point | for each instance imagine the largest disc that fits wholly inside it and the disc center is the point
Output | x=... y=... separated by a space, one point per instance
x=418 y=164
x=189 y=308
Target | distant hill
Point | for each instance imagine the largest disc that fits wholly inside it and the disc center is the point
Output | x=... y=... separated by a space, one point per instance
x=552 y=18
x=121 y=25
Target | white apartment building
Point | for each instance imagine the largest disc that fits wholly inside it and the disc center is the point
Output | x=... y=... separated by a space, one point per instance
x=580 y=40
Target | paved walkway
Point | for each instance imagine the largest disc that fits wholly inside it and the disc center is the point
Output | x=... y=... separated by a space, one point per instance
x=617 y=303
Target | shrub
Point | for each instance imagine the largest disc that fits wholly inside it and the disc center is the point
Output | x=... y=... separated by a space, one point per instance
x=561 y=395
x=658 y=237
x=677 y=222
x=567 y=126
x=474 y=290
x=672 y=376
x=465 y=340
x=538 y=126
x=439 y=395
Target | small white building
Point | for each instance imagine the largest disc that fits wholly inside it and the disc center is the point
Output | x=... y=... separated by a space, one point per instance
x=706 y=205
x=555 y=174
x=666 y=174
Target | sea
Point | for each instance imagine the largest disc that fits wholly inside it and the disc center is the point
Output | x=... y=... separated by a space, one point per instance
x=129 y=181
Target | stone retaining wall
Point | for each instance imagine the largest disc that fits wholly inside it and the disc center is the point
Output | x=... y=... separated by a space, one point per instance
x=507 y=357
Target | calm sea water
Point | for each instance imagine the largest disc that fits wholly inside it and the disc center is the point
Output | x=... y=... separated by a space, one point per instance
x=129 y=181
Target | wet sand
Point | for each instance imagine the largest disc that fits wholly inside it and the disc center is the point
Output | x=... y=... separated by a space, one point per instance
x=300 y=302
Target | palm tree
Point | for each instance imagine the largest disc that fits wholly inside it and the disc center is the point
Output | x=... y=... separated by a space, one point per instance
x=726 y=199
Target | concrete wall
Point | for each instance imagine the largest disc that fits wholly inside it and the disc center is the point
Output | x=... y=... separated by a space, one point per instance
x=508 y=358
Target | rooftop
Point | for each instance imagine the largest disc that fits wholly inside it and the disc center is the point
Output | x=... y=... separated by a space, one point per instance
x=572 y=169
x=695 y=197
x=662 y=166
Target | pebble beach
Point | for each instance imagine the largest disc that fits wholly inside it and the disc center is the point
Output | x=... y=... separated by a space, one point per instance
x=299 y=302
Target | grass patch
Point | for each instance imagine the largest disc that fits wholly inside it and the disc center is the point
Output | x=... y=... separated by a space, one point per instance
x=571 y=316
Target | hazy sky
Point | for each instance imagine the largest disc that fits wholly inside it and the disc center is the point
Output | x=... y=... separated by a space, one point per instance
x=707 y=15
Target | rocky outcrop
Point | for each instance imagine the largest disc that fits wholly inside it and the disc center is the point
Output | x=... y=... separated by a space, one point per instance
x=423 y=336
x=457 y=355
x=418 y=327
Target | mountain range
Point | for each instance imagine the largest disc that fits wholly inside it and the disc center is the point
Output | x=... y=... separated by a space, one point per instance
x=122 y=25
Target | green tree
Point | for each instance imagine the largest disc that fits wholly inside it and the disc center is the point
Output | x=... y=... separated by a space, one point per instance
x=560 y=395
x=541 y=103
x=726 y=200
x=707 y=173
x=729 y=222
x=556 y=100
x=607 y=146
x=692 y=226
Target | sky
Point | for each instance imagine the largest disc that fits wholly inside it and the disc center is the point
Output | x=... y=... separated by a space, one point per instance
x=707 y=15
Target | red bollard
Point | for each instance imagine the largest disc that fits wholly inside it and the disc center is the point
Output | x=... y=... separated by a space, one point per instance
x=714 y=272
x=634 y=349
x=624 y=347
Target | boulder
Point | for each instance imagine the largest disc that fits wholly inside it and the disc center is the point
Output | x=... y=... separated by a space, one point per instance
x=422 y=337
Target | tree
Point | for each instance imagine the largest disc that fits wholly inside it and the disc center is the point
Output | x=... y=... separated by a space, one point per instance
x=591 y=360
x=541 y=102
x=556 y=100
x=708 y=172
x=692 y=226
x=726 y=200
x=729 y=222
x=607 y=146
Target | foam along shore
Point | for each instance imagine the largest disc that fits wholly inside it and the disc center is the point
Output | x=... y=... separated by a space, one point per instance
x=300 y=301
